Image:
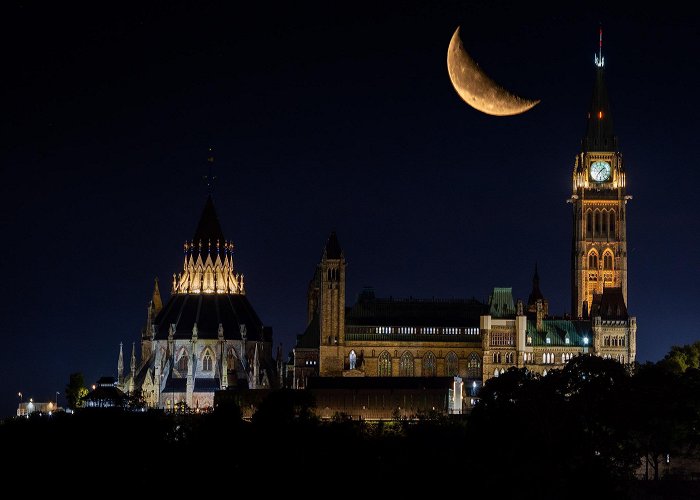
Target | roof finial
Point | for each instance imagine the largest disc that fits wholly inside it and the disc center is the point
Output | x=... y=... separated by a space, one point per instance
x=599 y=60
x=209 y=177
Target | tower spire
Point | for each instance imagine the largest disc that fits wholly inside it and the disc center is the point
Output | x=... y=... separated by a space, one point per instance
x=599 y=61
x=599 y=125
x=210 y=177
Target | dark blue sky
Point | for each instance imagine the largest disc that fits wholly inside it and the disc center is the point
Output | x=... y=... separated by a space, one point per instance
x=325 y=116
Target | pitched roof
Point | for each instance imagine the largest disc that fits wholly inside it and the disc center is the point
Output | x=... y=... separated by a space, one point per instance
x=332 y=249
x=558 y=330
x=372 y=311
x=310 y=339
x=206 y=384
x=208 y=228
x=610 y=305
x=501 y=303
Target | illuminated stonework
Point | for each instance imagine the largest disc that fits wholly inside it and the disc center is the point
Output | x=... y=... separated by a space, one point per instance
x=208 y=270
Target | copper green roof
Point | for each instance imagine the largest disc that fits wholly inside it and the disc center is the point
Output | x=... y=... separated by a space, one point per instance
x=501 y=303
x=558 y=330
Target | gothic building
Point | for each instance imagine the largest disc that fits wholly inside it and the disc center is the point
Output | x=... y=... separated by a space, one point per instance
x=379 y=337
x=207 y=336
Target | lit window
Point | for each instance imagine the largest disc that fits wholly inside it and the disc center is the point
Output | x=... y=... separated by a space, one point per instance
x=451 y=364
x=474 y=366
x=384 y=368
x=406 y=365
x=429 y=365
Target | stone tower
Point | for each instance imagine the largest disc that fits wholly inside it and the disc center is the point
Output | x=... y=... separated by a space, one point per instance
x=599 y=199
x=327 y=294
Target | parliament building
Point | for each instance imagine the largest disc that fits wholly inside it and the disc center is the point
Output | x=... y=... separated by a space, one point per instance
x=207 y=337
x=388 y=337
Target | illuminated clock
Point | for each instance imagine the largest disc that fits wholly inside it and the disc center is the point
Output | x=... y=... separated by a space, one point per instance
x=600 y=171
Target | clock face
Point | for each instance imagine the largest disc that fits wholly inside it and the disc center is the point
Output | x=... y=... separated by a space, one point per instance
x=600 y=171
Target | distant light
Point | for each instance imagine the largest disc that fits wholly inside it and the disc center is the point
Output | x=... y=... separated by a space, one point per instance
x=585 y=340
x=600 y=115
x=93 y=387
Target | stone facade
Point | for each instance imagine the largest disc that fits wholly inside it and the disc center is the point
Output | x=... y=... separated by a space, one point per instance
x=409 y=337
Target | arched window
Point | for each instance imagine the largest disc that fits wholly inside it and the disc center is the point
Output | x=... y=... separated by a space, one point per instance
x=182 y=362
x=589 y=224
x=406 y=365
x=607 y=260
x=352 y=359
x=451 y=362
x=206 y=362
x=598 y=224
x=429 y=365
x=593 y=260
x=384 y=368
x=474 y=366
x=495 y=372
x=612 y=224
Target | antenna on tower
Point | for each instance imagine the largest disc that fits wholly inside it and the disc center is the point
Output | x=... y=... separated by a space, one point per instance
x=210 y=177
x=599 y=61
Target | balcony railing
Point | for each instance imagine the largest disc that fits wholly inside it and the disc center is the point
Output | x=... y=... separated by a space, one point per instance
x=412 y=337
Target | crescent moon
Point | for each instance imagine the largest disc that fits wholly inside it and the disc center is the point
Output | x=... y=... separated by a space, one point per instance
x=476 y=88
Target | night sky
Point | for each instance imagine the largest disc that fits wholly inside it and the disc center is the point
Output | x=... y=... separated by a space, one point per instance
x=328 y=116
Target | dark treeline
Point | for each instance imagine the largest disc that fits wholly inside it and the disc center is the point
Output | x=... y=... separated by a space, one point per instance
x=592 y=427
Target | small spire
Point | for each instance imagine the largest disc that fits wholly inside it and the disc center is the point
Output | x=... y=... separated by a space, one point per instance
x=156 y=300
x=210 y=177
x=120 y=365
x=133 y=358
x=599 y=60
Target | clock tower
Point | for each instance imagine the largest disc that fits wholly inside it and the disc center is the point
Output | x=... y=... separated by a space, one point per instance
x=599 y=200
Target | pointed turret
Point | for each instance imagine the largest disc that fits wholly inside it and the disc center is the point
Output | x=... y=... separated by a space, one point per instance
x=332 y=249
x=156 y=301
x=132 y=375
x=120 y=366
x=535 y=294
x=599 y=125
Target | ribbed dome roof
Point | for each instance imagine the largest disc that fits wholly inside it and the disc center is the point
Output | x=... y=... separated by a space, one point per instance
x=208 y=311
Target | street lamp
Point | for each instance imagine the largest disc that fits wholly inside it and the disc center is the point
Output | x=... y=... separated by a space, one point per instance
x=19 y=394
x=56 y=400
